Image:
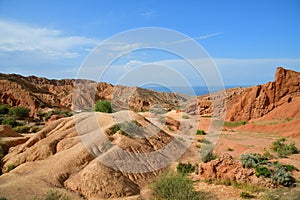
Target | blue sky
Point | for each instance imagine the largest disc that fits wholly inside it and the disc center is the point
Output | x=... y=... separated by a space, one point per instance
x=246 y=39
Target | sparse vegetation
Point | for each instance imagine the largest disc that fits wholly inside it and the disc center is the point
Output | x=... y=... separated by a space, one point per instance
x=235 y=123
x=131 y=128
x=282 y=176
x=53 y=195
x=103 y=106
x=11 y=167
x=4 y=109
x=185 y=117
x=209 y=157
x=3 y=198
x=21 y=129
x=252 y=160
x=281 y=194
x=174 y=186
x=262 y=171
x=200 y=132
x=185 y=168
x=19 y=112
x=282 y=148
x=246 y=195
x=35 y=129
x=10 y=121
x=279 y=173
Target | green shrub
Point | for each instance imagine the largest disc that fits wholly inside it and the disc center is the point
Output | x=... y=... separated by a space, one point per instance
x=53 y=195
x=35 y=129
x=246 y=195
x=114 y=129
x=235 y=124
x=282 y=177
x=174 y=186
x=185 y=168
x=200 y=132
x=11 y=167
x=283 y=149
x=252 y=160
x=185 y=117
x=4 y=109
x=262 y=171
x=21 y=129
x=19 y=112
x=289 y=167
x=103 y=106
x=3 y=198
x=132 y=128
x=41 y=114
x=10 y=121
x=209 y=157
x=66 y=113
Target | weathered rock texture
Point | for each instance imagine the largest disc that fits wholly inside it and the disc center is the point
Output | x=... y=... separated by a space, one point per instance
x=37 y=93
x=253 y=102
x=56 y=157
x=226 y=168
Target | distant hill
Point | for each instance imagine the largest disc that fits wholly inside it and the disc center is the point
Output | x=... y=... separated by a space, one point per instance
x=41 y=93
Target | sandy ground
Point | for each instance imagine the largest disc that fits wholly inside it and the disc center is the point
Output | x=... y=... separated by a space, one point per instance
x=236 y=141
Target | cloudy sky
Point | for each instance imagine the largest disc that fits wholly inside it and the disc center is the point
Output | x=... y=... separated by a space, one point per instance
x=246 y=40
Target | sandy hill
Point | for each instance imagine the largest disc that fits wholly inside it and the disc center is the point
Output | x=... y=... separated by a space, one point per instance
x=57 y=157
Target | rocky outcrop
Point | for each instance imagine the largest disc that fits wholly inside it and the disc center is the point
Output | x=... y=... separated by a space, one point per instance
x=258 y=101
x=253 y=102
x=226 y=168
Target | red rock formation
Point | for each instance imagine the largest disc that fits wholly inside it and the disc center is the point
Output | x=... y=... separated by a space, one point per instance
x=253 y=102
x=226 y=168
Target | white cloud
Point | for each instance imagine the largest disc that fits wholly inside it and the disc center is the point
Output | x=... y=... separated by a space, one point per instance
x=17 y=37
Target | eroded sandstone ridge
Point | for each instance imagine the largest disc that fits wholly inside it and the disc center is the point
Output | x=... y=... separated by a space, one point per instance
x=254 y=102
x=57 y=157
x=38 y=93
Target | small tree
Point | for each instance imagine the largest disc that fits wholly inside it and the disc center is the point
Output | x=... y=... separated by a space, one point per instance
x=103 y=106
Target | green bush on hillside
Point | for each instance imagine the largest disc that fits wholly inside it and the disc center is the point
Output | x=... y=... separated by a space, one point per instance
x=252 y=160
x=185 y=168
x=19 y=112
x=4 y=109
x=103 y=106
x=10 y=121
x=21 y=129
x=200 y=132
x=282 y=177
x=174 y=186
x=282 y=148
x=262 y=171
